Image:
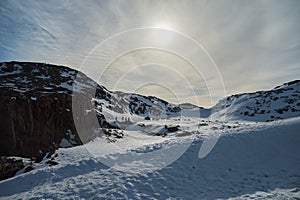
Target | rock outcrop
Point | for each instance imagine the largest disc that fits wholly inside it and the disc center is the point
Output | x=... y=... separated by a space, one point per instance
x=9 y=167
x=36 y=108
x=36 y=112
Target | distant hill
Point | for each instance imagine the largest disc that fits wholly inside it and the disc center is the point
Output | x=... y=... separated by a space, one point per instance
x=279 y=103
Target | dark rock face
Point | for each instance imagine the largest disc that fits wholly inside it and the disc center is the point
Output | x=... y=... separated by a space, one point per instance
x=9 y=167
x=34 y=126
x=36 y=108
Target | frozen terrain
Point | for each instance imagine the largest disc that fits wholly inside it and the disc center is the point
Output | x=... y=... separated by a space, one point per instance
x=252 y=161
x=150 y=148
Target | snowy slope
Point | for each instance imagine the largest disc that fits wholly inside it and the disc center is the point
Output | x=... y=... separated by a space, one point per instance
x=134 y=104
x=280 y=103
x=259 y=162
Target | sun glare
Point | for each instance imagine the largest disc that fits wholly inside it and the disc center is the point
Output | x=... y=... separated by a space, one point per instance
x=163 y=25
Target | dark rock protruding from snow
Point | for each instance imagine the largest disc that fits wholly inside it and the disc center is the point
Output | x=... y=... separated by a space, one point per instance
x=36 y=108
x=9 y=167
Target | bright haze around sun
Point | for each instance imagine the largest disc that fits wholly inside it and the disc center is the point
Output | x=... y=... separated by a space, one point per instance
x=254 y=44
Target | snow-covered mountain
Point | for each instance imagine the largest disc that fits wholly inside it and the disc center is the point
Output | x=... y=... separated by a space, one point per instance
x=256 y=156
x=37 y=115
x=42 y=79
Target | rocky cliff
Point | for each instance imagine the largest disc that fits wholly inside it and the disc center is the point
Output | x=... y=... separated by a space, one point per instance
x=36 y=108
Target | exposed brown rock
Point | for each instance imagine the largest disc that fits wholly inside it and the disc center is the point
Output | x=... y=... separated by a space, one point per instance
x=36 y=112
x=32 y=126
x=9 y=167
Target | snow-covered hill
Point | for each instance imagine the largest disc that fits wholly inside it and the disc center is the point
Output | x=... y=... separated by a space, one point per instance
x=282 y=102
x=150 y=148
x=30 y=78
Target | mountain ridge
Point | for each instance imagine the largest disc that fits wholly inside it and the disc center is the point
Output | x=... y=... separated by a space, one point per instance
x=37 y=99
x=37 y=116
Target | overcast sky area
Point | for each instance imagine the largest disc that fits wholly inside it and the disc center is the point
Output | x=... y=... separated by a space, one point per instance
x=254 y=45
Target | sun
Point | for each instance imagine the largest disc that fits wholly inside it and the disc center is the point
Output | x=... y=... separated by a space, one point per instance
x=163 y=25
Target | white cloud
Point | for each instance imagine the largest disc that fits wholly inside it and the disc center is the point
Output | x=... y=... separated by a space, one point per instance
x=256 y=44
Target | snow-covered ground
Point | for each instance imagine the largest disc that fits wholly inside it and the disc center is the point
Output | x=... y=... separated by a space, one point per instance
x=251 y=160
x=152 y=149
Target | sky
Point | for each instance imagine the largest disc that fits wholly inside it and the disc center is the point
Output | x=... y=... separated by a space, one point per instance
x=181 y=51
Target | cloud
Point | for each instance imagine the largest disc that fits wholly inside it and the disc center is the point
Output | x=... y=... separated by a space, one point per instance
x=255 y=44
